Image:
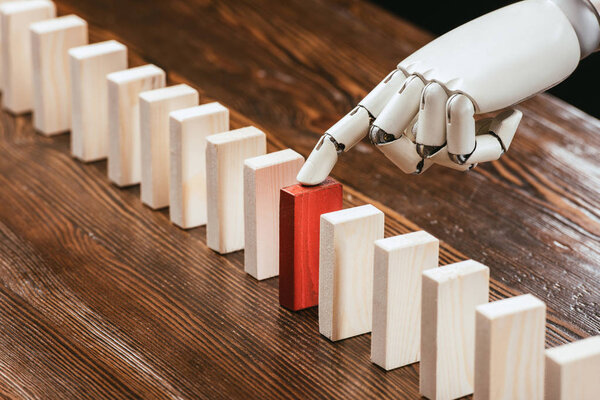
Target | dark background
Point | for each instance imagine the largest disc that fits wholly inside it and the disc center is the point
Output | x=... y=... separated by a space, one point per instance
x=441 y=16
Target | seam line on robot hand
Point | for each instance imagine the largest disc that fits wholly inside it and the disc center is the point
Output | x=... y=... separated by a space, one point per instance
x=339 y=147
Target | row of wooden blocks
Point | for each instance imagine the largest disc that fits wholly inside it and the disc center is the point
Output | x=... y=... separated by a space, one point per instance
x=440 y=316
x=185 y=157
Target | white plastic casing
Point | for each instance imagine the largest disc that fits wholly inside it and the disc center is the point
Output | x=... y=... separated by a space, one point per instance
x=584 y=18
x=503 y=57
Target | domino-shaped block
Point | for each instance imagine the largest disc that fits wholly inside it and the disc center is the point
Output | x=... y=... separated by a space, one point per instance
x=50 y=43
x=450 y=295
x=300 y=212
x=17 y=64
x=225 y=155
x=124 y=142
x=573 y=371
x=155 y=107
x=89 y=67
x=509 y=349
x=346 y=270
x=264 y=177
x=1 y=69
x=1 y=73
x=189 y=129
x=399 y=264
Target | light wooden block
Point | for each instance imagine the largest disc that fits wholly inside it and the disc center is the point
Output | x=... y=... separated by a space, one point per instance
x=50 y=44
x=89 y=66
x=189 y=129
x=264 y=177
x=346 y=270
x=399 y=263
x=225 y=155
x=2 y=2
x=155 y=107
x=124 y=143
x=573 y=371
x=509 y=349
x=17 y=63
x=450 y=296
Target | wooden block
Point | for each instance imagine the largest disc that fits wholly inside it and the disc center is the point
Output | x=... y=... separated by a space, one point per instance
x=399 y=263
x=264 y=177
x=17 y=64
x=89 y=66
x=225 y=155
x=1 y=69
x=124 y=143
x=300 y=212
x=573 y=371
x=509 y=349
x=50 y=44
x=450 y=296
x=155 y=107
x=189 y=129
x=346 y=270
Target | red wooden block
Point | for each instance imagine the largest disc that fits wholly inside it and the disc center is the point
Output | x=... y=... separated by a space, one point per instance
x=300 y=210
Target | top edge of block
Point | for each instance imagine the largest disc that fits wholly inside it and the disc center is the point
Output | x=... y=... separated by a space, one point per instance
x=168 y=92
x=57 y=24
x=453 y=271
x=132 y=74
x=299 y=189
x=97 y=49
x=198 y=111
x=512 y=305
x=20 y=6
x=351 y=214
x=406 y=240
x=272 y=159
x=235 y=135
x=575 y=351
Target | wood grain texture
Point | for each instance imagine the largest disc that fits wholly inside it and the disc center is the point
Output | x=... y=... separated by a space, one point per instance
x=225 y=156
x=264 y=177
x=103 y=298
x=89 y=66
x=189 y=129
x=293 y=85
x=572 y=370
x=50 y=42
x=509 y=349
x=399 y=263
x=299 y=231
x=346 y=247
x=124 y=137
x=155 y=107
x=17 y=64
x=450 y=296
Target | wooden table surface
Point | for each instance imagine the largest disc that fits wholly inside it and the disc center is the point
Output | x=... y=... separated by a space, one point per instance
x=100 y=297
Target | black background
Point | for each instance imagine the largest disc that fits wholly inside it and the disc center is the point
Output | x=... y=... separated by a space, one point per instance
x=441 y=16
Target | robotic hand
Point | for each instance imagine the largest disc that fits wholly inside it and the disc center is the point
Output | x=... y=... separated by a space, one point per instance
x=423 y=112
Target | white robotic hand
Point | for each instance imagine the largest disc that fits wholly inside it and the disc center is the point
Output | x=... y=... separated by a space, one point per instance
x=423 y=112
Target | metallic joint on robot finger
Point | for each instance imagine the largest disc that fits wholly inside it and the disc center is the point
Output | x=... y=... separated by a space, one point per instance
x=427 y=151
x=339 y=147
x=379 y=136
x=462 y=159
